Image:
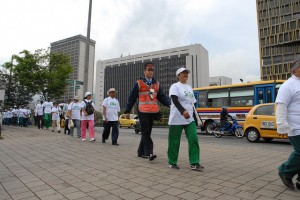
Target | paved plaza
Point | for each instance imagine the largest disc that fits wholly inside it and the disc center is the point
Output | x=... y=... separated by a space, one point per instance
x=39 y=164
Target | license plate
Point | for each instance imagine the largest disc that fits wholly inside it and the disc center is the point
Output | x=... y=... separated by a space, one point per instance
x=267 y=124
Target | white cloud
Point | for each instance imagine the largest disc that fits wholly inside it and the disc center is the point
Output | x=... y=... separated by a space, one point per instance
x=225 y=28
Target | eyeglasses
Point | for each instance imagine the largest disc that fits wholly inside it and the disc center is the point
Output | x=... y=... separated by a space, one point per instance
x=150 y=69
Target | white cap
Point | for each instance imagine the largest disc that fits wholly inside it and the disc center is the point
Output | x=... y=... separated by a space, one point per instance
x=76 y=97
x=111 y=90
x=87 y=94
x=182 y=69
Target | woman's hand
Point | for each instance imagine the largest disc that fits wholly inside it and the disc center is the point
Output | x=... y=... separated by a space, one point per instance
x=186 y=115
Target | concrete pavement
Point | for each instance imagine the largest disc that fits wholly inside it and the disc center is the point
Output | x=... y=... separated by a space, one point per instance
x=39 y=164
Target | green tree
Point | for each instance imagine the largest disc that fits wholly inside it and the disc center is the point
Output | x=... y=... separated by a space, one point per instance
x=42 y=72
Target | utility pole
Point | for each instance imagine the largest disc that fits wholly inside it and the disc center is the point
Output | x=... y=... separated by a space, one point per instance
x=87 y=51
x=9 y=82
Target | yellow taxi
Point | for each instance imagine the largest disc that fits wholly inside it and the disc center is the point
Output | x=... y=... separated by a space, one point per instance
x=123 y=122
x=261 y=123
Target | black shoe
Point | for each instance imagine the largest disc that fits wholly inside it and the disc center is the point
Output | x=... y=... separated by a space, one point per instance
x=298 y=185
x=58 y=131
x=174 y=166
x=116 y=144
x=103 y=141
x=152 y=157
x=287 y=181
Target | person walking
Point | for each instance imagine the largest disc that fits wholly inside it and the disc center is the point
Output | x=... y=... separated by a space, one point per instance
x=55 y=112
x=87 y=117
x=287 y=113
x=149 y=93
x=40 y=113
x=75 y=115
x=48 y=105
x=181 y=117
x=111 y=107
x=66 y=116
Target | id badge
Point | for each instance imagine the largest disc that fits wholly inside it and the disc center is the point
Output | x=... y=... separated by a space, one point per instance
x=152 y=90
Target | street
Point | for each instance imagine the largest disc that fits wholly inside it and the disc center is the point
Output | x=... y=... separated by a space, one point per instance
x=39 y=164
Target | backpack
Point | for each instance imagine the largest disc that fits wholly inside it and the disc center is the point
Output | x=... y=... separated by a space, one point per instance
x=89 y=109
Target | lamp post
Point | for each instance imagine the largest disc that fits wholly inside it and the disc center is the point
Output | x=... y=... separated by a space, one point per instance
x=87 y=51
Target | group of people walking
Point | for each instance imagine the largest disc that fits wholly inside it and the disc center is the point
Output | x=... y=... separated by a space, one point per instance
x=17 y=116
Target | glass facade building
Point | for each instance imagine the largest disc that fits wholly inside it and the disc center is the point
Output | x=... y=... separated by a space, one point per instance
x=74 y=47
x=279 y=37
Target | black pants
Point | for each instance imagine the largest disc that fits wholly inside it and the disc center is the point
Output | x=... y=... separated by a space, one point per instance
x=66 y=128
x=106 y=131
x=146 y=143
x=40 y=121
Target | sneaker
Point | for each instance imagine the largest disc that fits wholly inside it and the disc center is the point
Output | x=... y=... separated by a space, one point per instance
x=197 y=167
x=92 y=140
x=83 y=139
x=116 y=144
x=174 y=166
x=103 y=141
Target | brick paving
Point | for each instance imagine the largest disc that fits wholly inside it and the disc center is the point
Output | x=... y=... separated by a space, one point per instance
x=39 y=164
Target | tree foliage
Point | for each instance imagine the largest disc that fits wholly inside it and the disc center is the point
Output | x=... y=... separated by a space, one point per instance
x=41 y=72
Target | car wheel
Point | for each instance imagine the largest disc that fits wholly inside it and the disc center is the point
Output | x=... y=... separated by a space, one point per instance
x=268 y=139
x=209 y=128
x=239 y=132
x=217 y=132
x=252 y=135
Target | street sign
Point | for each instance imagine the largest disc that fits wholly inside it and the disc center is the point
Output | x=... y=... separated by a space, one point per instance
x=77 y=87
x=79 y=82
x=69 y=81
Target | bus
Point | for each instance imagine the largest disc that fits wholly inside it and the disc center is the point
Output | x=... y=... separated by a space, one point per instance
x=239 y=98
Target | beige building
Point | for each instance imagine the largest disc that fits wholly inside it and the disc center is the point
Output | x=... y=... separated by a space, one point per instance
x=122 y=73
x=279 y=37
x=75 y=47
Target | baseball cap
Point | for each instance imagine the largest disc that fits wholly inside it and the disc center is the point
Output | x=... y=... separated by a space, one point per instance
x=87 y=94
x=182 y=69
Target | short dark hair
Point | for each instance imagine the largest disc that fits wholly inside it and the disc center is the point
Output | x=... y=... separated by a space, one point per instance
x=148 y=63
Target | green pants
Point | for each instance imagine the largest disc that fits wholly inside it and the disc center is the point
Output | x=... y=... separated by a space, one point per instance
x=292 y=166
x=47 y=119
x=174 y=143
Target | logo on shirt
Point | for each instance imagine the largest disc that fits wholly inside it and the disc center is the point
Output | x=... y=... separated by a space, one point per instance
x=188 y=94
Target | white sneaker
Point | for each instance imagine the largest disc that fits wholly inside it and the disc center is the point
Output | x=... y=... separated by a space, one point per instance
x=83 y=140
x=92 y=140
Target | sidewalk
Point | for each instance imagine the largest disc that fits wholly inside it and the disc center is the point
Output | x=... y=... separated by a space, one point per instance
x=39 y=164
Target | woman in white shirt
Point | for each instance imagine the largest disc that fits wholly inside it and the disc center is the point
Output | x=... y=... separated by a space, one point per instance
x=181 y=117
x=55 y=111
x=87 y=118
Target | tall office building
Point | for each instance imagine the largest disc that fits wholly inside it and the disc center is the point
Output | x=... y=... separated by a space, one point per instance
x=279 y=36
x=122 y=73
x=75 y=47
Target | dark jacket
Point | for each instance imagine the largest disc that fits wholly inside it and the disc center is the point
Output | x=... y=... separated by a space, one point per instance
x=134 y=94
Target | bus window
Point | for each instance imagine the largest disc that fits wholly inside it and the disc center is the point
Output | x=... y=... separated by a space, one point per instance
x=269 y=95
x=202 y=99
x=217 y=98
x=276 y=90
x=241 y=97
x=260 y=96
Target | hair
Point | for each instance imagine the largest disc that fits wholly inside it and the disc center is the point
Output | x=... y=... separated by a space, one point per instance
x=148 y=63
x=295 y=64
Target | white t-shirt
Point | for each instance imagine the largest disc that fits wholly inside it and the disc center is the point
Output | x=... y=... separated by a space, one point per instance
x=55 y=113
x=112 y=108
x=48 y=106
x=186 y=98
x=87 y=117
x=75 y=108
x=289 y=94
x=39 y=109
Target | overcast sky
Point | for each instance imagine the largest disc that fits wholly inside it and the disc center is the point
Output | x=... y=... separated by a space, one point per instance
x=226 y=28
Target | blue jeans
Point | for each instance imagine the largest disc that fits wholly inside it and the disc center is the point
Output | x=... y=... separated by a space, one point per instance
x=77 y=124
x=115 y=131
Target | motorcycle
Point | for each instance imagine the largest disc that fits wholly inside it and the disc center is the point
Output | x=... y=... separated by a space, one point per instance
x=137 y=125
x=220 y=130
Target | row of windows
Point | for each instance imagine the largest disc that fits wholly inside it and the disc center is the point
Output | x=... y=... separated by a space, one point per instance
x=280 y=50
x=279 y=28
x=281 y=38
x=278 y=59
x=276 y=77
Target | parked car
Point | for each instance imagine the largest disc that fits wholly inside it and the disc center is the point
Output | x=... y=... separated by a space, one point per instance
x=261 y=123
x=123 y=122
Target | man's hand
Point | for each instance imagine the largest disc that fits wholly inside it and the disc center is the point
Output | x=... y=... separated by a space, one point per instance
x=186 y=115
